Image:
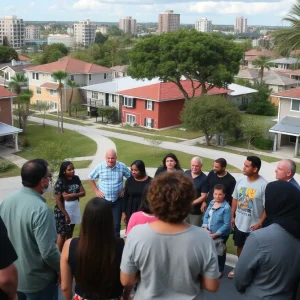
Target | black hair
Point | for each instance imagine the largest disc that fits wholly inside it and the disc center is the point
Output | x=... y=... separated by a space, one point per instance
x=140 y=166
x=220 y=187
x=255 y=162
x=222 y=162
x=33 y=171
x=63 y=167
x=173 y=156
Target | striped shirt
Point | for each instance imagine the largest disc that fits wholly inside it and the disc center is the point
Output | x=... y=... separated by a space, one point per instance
x=110 y=180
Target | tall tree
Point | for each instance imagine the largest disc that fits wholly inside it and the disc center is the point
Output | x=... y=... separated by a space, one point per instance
x=100 y=38
x=211 y=115
x=263 y=62
x=60 y=76
x=72 y=84
x=288 y=39
x=7 y=54
x=23 y=101
x=202 y=58
x=16 y=84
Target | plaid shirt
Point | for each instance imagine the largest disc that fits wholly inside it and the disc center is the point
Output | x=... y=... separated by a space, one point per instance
x=110 y=180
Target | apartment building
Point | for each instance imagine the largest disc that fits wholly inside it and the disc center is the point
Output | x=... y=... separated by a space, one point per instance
x=103 y=29
x=168 y=21
x=65 y=39
x=128 y=25
x=32 y=32
x=241 y=25
x=203 y=25
x=12 y=30
x=84 y=32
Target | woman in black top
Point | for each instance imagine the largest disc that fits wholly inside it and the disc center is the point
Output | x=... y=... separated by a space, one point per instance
x=68 y=189
x=134 y=190
x=170 y=163
x=94 y=258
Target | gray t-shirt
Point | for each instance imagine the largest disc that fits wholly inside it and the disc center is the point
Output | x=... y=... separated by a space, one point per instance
x=170 y=264
x=268 y=267
x=250 y=202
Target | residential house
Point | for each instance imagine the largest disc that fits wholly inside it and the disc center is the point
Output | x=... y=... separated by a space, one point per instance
x=158 y=105
x=252 y=55
x=240 y=95
x=6 y=117
x=45 y=86
x=284 y=62
x=119 y=71
x=287 y=130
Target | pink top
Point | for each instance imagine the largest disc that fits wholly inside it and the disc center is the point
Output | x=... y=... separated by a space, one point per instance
x=139 y=218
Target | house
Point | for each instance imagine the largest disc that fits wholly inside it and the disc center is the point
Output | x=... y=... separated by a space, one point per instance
x=158 y=105
x=284 y=62
x=240 y=95
x=287 y=130
x=45 y=86
x=6 y=117
x=251 y=55
x=119 y=71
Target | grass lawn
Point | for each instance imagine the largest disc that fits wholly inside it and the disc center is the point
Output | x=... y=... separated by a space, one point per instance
x=230 y=246
x=54 y=118
x=14 y=171
x=298 y=168
x=81 y=164
x=265 y=121
x=143 y=135
x=78 y=144
x=128 y=152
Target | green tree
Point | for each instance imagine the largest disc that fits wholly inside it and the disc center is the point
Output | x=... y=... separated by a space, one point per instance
x=5 y=41
x=199 y=57
x=115 y=31
x=77 y=107
x=108 y=112
x=288 y=39
x=72 y=84
x=42 y=107
x=7 y=54
x=16 y=84
x=246 y=45
x=100 y=38
x=251 y=131
x=60 y=76
x=263 y=62
x=53 y=52
x=211 y=115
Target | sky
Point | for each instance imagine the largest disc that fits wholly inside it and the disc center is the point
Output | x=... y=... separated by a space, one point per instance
x=258 y=12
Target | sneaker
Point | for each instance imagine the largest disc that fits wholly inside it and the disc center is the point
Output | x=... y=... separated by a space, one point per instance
x=231 y=274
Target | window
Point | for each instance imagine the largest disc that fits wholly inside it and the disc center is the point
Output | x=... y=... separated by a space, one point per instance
x=149 y=105
x=148 y=122
x=105 y=75
x=35 y=76
x=72 y=77
x=90 y=76
x=130 y=119
x=128 y=102
x=38 y=90
x=53 y=92
x=295 y=105
x=94 y=95
x=114 y=98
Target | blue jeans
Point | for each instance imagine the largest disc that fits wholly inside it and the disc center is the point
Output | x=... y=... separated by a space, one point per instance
x=50 y=292
x=117 y=212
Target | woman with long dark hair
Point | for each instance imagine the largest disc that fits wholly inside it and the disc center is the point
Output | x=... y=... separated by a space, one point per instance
x=94 y=258
x=170 y=163
x=68 y=189
x=134 y=189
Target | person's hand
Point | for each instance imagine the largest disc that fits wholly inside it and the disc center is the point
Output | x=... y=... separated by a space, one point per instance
x=99 y=194
x=123 y=218
x=68 y=219
x=67 y=196
x=121 y=193
x=232 y=222
x=214 y=235
x=256 y=226
x=203 y=207
x=206 y=229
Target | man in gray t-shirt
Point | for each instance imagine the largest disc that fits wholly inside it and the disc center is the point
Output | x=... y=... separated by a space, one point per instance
x=170 y=264
x=247 y=208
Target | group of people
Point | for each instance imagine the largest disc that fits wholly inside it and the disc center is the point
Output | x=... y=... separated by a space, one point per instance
x=177 y=226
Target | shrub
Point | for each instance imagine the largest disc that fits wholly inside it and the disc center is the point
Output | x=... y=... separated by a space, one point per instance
x=262 y=143
x=5 y=166
x=25 y=143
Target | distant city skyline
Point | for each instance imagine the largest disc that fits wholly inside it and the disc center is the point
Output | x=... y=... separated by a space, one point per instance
x=258 y=12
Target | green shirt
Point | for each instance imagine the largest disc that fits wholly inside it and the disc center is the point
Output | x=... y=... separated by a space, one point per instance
x=31 y=228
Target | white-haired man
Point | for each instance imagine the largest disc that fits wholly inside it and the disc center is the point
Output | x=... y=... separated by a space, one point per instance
x=286 y=170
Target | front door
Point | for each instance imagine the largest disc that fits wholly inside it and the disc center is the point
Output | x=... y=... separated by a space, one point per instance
x=106 y=99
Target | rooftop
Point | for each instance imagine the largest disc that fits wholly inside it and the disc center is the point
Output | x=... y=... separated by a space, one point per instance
x=285 y=60
x=237 y=90
x=288 y=125
x=120 y=68
x=294 y=93
x=5 y=93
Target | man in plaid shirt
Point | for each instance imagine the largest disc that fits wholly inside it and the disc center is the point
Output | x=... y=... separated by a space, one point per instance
x=110 y=174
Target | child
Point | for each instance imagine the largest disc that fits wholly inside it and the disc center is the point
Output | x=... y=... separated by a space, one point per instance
x=217 y=221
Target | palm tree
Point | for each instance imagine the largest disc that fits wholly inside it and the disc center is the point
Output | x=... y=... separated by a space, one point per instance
x=23 y=100
x=263 y=62
x=60 y=76
x=288 y=39
x=72 y=84
x=16 y=84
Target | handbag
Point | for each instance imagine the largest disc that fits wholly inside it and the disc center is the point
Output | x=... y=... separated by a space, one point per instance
x=220 y=246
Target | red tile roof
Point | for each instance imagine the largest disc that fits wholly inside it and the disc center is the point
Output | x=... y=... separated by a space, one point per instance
x=5 y=93
x=294 y=93
x=69 y=65
x=260 y=52
x=23 y=58
x=168 y=91
x=50 y=85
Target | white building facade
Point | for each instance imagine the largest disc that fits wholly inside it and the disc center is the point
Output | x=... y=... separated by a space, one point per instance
x=32 y=32
x=128 y=25
x=203 y=25
x=241 y=25
x=84 y=32
x=12 y=29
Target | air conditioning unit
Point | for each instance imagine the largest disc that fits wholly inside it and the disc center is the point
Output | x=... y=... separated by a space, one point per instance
x=133 y=124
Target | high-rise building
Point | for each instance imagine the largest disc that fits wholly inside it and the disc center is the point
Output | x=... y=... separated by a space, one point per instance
x=103 y=29
x=32 y=32
x=168 y=21
x=84 y=32
x=240 y=25
x=12 y=31
x=203 y=25
x=128 y=25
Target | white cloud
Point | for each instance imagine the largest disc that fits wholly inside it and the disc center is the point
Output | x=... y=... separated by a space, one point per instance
x=87 y=5
x=31 y=4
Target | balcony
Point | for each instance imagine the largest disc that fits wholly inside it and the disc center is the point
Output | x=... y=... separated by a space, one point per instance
x=94 y=103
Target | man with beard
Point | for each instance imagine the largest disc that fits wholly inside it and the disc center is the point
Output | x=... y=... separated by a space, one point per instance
x=219 y=175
